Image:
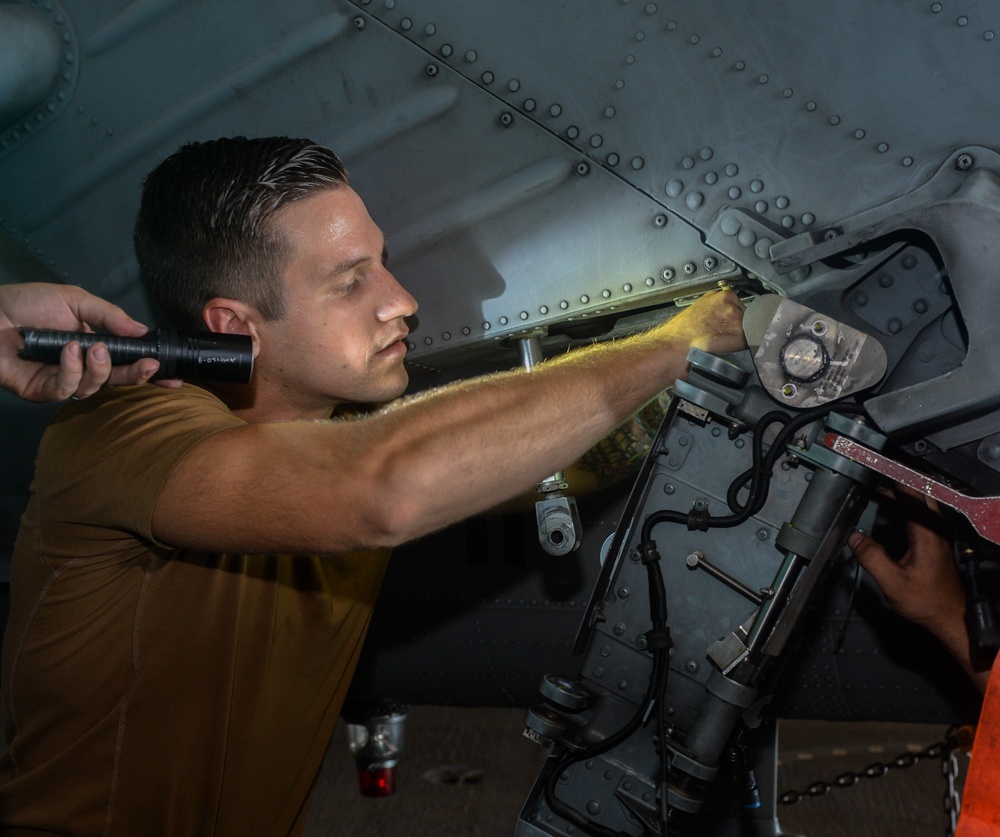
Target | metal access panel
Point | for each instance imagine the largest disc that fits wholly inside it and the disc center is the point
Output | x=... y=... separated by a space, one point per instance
x=721 y=596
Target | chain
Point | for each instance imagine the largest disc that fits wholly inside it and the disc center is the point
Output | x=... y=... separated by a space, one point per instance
x=952 y=800
x=957 y=738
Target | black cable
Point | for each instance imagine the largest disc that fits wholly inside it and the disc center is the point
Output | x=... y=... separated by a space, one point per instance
x=567 y=812
x=661 y=631
x=659 y=643
x=759 y=473
x=753 y=473
x=759 y=477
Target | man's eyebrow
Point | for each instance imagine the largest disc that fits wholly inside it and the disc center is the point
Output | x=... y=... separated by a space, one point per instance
x=350 y=264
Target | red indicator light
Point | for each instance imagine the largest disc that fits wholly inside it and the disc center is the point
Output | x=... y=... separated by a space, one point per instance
x=378 y=782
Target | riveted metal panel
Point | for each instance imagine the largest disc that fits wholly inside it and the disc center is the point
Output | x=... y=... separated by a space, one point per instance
x=466 y=127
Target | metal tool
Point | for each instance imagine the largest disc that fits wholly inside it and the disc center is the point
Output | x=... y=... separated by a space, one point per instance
x=982 y=512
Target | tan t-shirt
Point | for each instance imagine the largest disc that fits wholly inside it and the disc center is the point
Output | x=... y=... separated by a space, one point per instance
x=156 y=691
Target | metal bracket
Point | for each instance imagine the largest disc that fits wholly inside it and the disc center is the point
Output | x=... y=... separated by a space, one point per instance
x=959 y=209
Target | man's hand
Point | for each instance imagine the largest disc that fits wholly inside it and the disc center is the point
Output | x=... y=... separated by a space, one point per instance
x=923 y=586
x=714 y=323
x=65 y=308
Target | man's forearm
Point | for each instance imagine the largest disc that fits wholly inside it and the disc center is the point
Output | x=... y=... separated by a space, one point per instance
x=539 y=423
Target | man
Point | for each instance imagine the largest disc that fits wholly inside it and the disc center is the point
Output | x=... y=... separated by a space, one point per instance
x=67 y=308
x=924 y=587
x=196 y=570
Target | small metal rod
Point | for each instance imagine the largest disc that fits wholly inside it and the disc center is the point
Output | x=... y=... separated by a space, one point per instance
x=529 y=349
x=784 y=580
x=697 y=559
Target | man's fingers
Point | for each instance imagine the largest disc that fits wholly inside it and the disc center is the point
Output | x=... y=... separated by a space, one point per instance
x=138 y=373
x=76 y=379
x=96 y=370
x=870 y=555
x=102 y=315
x=64 y=308
x=924 y=524
x=925 y=536
x=80 y=376
x=64 y=381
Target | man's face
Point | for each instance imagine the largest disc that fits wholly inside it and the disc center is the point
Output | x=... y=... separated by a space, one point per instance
x=342 y=337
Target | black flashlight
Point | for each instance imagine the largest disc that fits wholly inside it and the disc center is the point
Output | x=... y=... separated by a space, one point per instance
x=205 y=356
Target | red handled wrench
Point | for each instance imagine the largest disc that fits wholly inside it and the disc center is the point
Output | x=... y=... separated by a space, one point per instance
x=983 y=512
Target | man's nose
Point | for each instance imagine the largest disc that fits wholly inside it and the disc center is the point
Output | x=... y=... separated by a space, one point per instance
x=398 y=302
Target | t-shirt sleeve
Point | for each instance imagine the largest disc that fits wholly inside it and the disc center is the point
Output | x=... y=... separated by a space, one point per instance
x=103 y=461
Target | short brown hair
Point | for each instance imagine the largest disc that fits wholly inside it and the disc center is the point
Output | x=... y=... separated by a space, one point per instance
x=205 y=230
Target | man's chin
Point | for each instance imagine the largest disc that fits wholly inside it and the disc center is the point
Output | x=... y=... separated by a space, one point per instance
x=386 y=394
x=400 y=388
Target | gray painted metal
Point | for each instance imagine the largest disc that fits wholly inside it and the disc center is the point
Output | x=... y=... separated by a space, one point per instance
x=571 y=169
x=546 y=161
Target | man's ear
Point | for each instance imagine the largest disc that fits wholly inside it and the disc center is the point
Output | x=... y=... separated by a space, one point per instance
x=230 y=316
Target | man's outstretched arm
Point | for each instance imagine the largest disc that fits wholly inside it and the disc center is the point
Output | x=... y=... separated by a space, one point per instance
x=428 y=460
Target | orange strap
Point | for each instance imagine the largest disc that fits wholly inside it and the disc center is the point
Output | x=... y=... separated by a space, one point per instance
x=981 y=799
